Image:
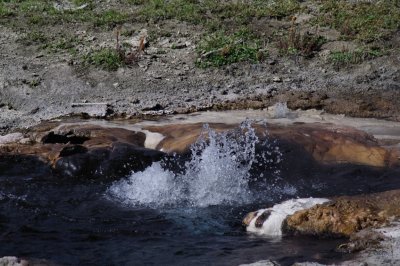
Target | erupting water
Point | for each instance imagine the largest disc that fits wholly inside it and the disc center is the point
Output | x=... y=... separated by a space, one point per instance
x=218 y=173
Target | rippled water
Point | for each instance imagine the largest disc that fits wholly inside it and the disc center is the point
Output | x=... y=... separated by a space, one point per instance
x=189 y=214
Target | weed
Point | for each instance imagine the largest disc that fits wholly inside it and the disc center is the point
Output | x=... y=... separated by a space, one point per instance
x=35 y=82
x=300 y=44
x=125 y=51
x=106 y=58
x=220 y=49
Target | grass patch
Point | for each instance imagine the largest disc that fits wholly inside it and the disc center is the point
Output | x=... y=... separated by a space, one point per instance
x=42 y=13
x=345 y=58
x=363 y=21
x=221 y=49
x=5 y=11
x=213 y=13
x=106 y=59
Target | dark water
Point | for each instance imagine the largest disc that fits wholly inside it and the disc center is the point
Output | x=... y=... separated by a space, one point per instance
x=73 y=222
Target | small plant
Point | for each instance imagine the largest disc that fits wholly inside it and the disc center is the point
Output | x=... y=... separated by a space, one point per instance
x=125 y=52
x=303 y=44
x=106 y=58
x=220 y=49
x=35 y=82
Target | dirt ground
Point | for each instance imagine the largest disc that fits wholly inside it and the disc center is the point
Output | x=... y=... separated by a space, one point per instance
x=37 y=84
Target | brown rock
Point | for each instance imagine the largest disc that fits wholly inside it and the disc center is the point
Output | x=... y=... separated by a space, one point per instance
x=346 y=215
x=179 y=138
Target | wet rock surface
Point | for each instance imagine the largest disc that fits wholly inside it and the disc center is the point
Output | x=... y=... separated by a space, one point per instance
x=82 y=151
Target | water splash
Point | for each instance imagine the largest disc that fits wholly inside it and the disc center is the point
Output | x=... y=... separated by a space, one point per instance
x=217 y=174
x=281 y=110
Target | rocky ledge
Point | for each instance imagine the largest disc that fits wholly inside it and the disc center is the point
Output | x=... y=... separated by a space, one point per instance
x=93 y=150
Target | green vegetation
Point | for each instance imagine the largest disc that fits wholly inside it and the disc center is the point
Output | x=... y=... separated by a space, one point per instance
x=5 y=11
x=107 y=59
x=343 y=58
x=43 y=12
x=222 y=44
x=220 y=49
x=110 y=18
x=212 y=13
x=369 y=24
x=362 y=21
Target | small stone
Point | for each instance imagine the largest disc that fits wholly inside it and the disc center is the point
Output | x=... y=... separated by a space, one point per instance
x=116 y=85
x=277 y=79
x=13 y=261
x=135 y=101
